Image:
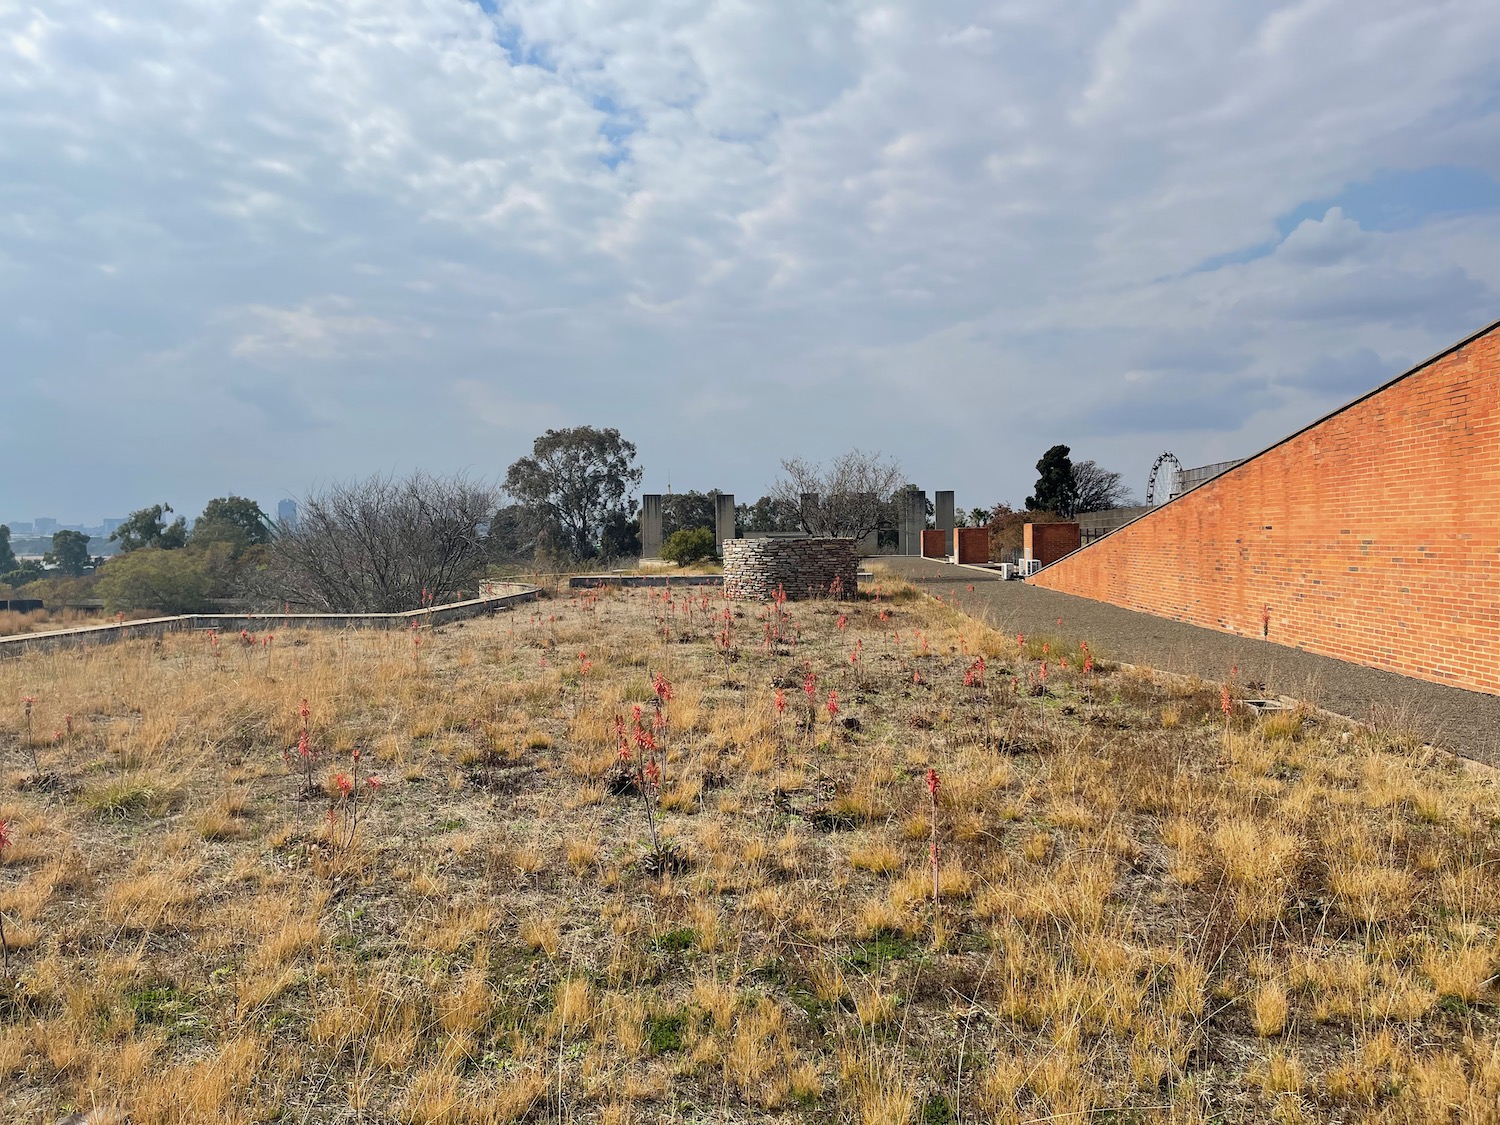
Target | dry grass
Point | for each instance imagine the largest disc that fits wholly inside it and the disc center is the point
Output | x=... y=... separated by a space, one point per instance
x=1138 y=918
x=45 y=620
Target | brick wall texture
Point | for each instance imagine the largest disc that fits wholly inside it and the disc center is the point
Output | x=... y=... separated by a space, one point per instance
x=1372 y=536
x=803 y=568
x=972 y=544
x=934 y=544
x=1048 y=542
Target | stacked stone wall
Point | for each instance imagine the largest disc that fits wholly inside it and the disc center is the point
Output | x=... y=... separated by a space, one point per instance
x=803 y=568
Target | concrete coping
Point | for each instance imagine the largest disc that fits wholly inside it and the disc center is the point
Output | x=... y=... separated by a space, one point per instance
x=116 y=630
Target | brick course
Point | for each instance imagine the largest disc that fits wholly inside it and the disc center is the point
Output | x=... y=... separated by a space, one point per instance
x=1048 y=542
x=1372 y=536
x=803 y=568
x=972 y=544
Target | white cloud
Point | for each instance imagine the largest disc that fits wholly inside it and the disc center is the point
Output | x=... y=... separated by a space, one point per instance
x=325 y=328
x=955 y=229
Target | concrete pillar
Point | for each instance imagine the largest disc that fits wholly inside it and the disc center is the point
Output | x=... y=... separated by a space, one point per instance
x=808 y=505
x=944 y=519
x=651 y=526
x=723 y=520
x=913 y=521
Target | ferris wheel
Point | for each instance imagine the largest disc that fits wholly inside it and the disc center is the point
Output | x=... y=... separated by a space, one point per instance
x=1174 y=467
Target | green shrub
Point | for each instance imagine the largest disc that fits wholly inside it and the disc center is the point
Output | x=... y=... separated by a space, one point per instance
x=683 y=547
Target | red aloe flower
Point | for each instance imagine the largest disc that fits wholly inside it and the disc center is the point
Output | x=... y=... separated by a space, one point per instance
x=780 y=701
x=1224 y=700
x=843 y=620
x=833 y=704
x=374 y=782
x=810 y=685
x=345 y=785
x=933 y=781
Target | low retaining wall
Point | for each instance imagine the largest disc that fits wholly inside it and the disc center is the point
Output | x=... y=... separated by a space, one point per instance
x=594 y=581
x=262 y=622
x=803 y=568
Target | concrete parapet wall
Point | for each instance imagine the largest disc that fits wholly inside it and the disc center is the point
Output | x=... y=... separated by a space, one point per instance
x=505 y=595
x=628 y=581
x=802 y=568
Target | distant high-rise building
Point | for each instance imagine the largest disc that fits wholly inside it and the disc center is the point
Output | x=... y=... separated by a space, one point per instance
x=110 y=525
x=44 y=525
x=21 y=527
x=286 y=513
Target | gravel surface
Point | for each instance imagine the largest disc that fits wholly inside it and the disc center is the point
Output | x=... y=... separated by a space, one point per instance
x=1465 y=722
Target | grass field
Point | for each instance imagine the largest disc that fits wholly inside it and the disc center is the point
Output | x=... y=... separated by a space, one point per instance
x=1146 y=910
x=45 y=620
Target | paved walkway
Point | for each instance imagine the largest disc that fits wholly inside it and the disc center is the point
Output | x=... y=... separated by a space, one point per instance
x=1464 y=721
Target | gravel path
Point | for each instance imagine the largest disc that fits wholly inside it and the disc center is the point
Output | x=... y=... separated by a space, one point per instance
x=1466 y=722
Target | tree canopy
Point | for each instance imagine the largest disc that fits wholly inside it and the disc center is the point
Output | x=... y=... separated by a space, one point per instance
x=7 y=556
x=70 y=553
x=147 y=527
x=851 y=498
x=377 y=545
x=233 y=520
x=1056 y=490
x=167 y=581
x=1097 y=488
x=576 y=480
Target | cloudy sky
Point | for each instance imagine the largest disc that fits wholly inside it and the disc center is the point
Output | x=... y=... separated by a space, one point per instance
x=251 y=245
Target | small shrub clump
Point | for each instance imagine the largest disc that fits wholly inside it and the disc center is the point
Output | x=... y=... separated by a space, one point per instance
x=689 y=546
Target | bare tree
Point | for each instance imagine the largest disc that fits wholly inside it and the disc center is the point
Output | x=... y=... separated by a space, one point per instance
x=375 y=545
x=852 y=496
x=1097 y=488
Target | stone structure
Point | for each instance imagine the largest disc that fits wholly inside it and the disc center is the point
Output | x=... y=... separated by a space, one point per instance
x=803 y=568
x=651 y=526
x=943 y=518
x=723 y=520
x=1372 y=535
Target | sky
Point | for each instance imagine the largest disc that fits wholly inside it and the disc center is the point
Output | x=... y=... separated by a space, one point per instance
x=256 y=246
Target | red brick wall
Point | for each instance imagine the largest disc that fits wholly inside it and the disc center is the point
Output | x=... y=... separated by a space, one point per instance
x=1048 y=542
x=1372 y=536
x=972 y=544
x=934 y=544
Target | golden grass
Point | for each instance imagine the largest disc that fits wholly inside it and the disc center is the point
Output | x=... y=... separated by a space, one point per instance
x=1138 y=917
